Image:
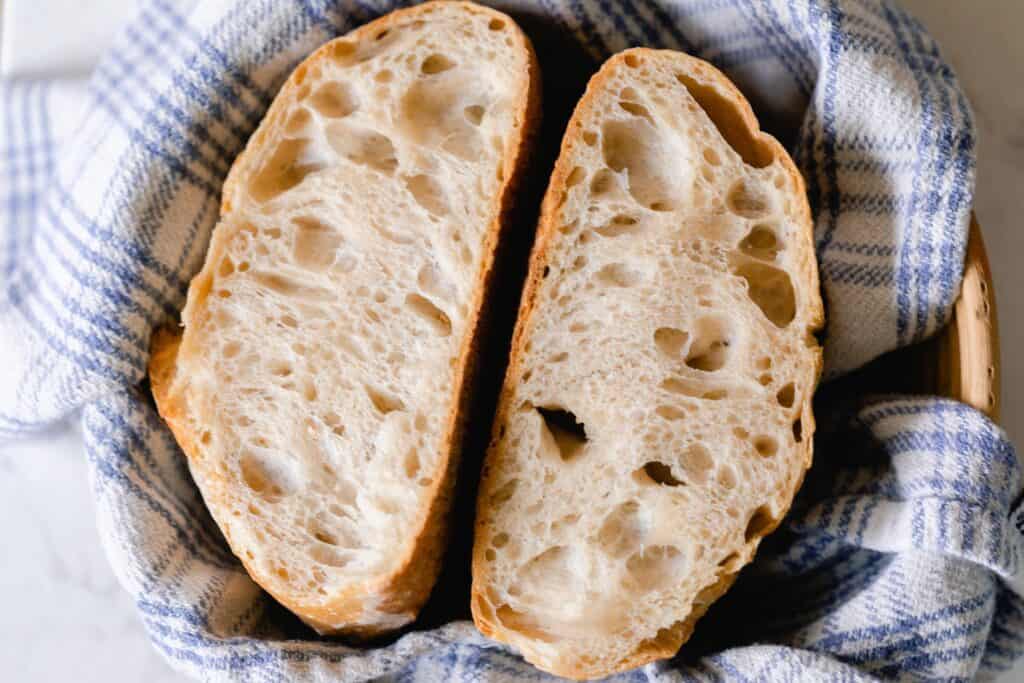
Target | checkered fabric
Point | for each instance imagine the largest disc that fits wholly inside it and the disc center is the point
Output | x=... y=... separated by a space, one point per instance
x=897 y=558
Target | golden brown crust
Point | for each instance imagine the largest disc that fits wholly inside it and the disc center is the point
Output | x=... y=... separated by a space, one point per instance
x=668 y=643
x=406 y=589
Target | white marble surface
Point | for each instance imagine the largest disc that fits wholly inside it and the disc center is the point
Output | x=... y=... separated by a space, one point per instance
x=53 y=575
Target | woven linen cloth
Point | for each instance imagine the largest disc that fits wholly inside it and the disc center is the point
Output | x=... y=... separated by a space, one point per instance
x=897 y=558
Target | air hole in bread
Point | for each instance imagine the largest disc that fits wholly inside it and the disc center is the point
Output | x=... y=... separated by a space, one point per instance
x=280 y=368
x=576 y=176
x=435 y=64
x=711 y=156
x=504 y=492
x=569 y=435
x=746 y=199
x=786 y=396
x=227 y=267
x=309 y=391
x=765 y=379
x=290 y=288
x=670 y=413
x=726 y=477
x=764 y=363
x=363 y=146
x=341 y=50
x=334 y=100
x=589 y=138
x=696 y=461
x=474 y=113
x=384 y=76
x=315 y=243
x=328 y=556
x=411 y=463
x=429 y=115
x=798 y=430
x=432 y=281
x=632 y=61
x=670 y=341
x=694 y=388
x=548 y=573
x=729 y=562
x=709 y=350
x=654 y=567
x=321 y=532
x=285 y=168
x=759 y=523
x=728 y=119
x=333 y=421
x=262 y=479
x=297 y=122
x=429 y=313
x=620 y=224
x=766 y=446
x=231 y=349
x=428 y=193
x=496 y=25
x=655 y=472
x=618 y=275
x=500 y=540
x=771 y=289
x=635 y=148
x=636 y=109
x=760 y=243
x=624 y=529
x=383 y=401
x=603 y=182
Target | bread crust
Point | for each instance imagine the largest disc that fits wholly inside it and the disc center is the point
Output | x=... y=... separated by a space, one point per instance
x=667 y=643
x=402 y=592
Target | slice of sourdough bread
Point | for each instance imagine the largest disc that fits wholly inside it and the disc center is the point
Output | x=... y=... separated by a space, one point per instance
x=320 y=384
x=655 y=421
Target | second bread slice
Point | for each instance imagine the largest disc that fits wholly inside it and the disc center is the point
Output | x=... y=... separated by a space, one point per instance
x=655 y=421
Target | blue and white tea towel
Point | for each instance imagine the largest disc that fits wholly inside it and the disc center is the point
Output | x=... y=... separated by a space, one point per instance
x=894 y=563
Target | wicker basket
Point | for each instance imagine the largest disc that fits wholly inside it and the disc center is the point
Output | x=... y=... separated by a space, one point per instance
x=961 y=362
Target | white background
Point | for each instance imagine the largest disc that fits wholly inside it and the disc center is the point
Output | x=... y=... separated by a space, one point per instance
x=66 y=619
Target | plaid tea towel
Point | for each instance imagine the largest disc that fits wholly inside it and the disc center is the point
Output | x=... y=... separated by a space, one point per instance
x=897 y=558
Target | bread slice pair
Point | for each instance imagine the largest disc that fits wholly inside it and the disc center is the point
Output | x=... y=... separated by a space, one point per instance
x=319 y=385
x=655 y=421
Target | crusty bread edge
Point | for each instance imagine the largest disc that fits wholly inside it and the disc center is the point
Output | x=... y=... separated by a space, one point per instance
x=404 y=591
x=669 y=644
